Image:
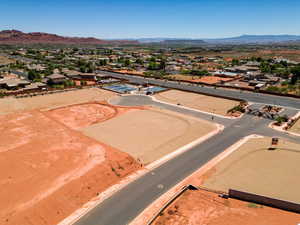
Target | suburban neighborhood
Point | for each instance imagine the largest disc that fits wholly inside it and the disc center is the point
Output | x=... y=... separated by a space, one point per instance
x=150 y=112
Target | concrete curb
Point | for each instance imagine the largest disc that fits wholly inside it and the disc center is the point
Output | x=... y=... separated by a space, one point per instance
x=196 y=110
x=155 y=206
x=185 y=107
x=79 y=213
x=281 y=128
x=159 y=162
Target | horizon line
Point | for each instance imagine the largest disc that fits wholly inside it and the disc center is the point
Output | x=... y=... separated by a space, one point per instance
x=154 y=37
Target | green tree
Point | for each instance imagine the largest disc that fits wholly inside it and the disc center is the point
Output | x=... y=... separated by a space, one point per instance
x=235 y=62
x=296 y=74
x=152 y=59
x=33 y=75
x=139 y=61
x=127 y=63
x=153 y=66
x=265 y=67
x=162 y=65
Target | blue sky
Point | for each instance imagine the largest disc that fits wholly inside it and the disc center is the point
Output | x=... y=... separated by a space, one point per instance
x=152 y=18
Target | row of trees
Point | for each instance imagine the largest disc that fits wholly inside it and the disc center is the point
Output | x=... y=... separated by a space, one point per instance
x=296 y=74
x=157 y=66
x=85 y=67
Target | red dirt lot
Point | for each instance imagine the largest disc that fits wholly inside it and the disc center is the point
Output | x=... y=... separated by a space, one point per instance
x=86 y=114
x=212 y=79
x=48 y=170
x=206 y=208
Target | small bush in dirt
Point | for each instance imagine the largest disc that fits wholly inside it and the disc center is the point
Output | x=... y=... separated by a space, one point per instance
x=281 y=119
x=238 y=108
x=115 y=171
x=170 y=212
x=253 y=205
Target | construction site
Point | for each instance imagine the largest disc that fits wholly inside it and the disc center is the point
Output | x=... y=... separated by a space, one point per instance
x=77 y=140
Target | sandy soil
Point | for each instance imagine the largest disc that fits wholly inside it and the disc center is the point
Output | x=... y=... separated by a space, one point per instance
x=206 y=208
x=201 y=79
x=197 y=101
x=296 y=127
x=130 y=72
x=183 y=77
x=11 y=104
x=255 y=169
x=212 y=79
x=48 y=170
x=149 y=134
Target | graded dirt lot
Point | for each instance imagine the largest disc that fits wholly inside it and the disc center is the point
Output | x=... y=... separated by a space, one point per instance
x=49 y=169
x=85 y=114
x=184 y=77
x=150 y=134
x=197 y=101
x=206 y=208
x=11 y=104
x=199 y=79
x=212 y=79
x=255 y=169
x=296 y=127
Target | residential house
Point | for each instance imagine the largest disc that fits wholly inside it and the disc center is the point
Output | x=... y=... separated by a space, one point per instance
x=35 y=86
x=56 y=78
x=13 y=83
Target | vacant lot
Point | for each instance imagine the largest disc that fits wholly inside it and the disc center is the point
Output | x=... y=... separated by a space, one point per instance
x=48 y=170
x=149 y=134
x=296 y=127
x=198 y=101
x=253 y=168
x=212 y=79
x=184 y=77
x=10 y=105
x=206 y=208
x=85 y=114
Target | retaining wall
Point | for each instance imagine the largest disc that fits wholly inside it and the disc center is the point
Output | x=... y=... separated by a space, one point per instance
x=263 y=200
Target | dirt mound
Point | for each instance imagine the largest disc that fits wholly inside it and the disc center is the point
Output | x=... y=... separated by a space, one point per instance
x=83 y=115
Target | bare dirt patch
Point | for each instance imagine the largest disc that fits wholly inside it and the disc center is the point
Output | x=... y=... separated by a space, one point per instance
x=206 y=208
x=11 y=104
x=149 y=134
x=48 y=170
x=255 y=169
x=212 y=79
x=184 y=77
x=197 y=101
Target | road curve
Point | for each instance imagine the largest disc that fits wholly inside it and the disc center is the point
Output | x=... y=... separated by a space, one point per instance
x=129 y=202
x=222 y=92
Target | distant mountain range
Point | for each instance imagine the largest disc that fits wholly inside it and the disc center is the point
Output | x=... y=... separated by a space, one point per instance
x=18 y=37
x=244 y=39
x=260 y=39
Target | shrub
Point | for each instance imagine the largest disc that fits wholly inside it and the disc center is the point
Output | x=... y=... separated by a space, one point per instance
x=282 y=119
x=238 y=108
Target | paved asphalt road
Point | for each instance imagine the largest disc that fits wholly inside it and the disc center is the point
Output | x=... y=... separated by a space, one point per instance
x=126 y=204
x=245 y=95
